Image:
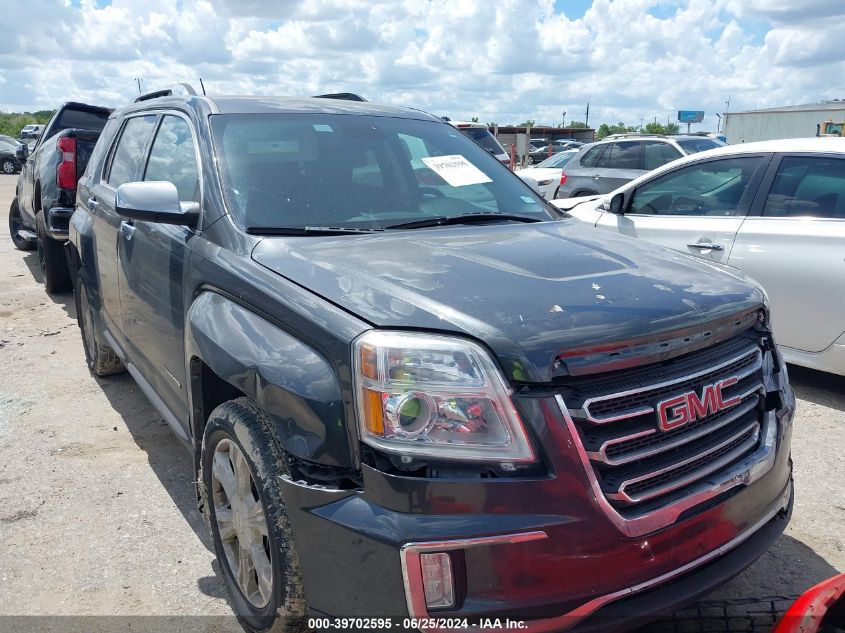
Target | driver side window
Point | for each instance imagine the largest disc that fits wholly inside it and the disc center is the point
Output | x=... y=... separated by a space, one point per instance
x=713 y=188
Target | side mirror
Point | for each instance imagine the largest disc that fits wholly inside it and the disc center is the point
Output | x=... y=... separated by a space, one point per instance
x=22 y=152
x=155 y=201
x=617 y=204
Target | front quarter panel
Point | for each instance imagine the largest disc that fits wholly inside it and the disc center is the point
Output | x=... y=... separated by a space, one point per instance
x=296 y=386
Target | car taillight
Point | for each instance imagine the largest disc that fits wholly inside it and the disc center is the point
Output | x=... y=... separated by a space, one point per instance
x=66 y=171
x=563 y=177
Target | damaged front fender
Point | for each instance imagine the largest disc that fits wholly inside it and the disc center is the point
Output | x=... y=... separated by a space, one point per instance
x=295 y=385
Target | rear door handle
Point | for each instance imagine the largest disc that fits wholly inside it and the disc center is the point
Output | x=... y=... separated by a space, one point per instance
x=92 y=202
x=706 y=246
x=127 y=230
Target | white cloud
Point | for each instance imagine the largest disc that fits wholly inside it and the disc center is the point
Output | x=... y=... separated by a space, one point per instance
x=505 y=61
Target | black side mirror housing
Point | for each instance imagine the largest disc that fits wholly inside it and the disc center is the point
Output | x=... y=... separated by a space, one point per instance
x=22 y=152
x=617 y=204
x=155 y=201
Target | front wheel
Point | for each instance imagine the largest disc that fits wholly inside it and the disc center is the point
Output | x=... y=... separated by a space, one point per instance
x=51 y=258
x=8 y=166
x=529 y=161
x=240 y=468
x=15 y=225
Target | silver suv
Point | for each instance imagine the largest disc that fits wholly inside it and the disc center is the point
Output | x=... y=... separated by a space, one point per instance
x=604 y=166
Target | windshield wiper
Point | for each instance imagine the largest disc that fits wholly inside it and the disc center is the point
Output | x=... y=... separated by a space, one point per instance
x=467 y=218
x=307 y=230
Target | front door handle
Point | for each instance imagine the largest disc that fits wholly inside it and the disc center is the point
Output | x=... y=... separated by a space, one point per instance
x=127 y=230
x=707 y=246
x=92 y=202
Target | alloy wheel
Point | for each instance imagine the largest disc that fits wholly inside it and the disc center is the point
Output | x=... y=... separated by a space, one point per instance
x=8 y=167
x=243 y=530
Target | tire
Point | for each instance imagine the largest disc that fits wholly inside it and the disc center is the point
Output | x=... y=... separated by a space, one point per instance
x=16 y=224
x=8 y=166
x=237 y=439
x=529 y=161
x=101 y=359
x=51 y=258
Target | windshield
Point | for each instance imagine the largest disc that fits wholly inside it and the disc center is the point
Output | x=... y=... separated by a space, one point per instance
x=484 y=138
x=695 y=145
x=558 y=160
x=364 y=172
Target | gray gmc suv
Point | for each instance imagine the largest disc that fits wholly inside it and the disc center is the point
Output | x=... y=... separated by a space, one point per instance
x=604 y=166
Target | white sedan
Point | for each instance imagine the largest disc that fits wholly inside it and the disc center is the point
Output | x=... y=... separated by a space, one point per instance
x=544 y=178
x=775 y=210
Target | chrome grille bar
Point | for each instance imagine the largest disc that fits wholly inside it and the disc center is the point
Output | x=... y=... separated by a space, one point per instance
x=748 y=436
x=585 y=412
x=744 y=407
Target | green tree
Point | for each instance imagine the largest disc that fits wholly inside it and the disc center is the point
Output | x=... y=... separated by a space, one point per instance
x=606 y=129
x=474 y=119
x=528 y=123
x=11 y=123
x=659 y=128
x=577 y=124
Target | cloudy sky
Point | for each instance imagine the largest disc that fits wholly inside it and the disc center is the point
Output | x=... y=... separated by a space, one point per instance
x=500 y=60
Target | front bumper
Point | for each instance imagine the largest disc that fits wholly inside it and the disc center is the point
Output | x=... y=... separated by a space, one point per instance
x=538 y=549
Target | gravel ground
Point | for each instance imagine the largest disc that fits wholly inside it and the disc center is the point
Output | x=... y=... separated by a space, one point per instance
x=97 y=510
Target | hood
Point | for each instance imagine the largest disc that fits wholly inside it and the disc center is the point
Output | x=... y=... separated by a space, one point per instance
x=570 y=203
x=530 y=292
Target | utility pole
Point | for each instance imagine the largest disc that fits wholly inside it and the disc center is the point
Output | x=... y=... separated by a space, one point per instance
x=563 y=120
x=587 y=116
x=138 y=81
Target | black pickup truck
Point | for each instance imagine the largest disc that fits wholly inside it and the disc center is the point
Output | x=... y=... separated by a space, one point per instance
x=415 y=395
x=46 y=193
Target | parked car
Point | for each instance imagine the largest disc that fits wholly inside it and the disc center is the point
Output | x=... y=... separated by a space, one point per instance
x=541 y=153
x=481 y=134
x=438 y=390
x=9 y=140
x=545 y=177
x=31 y=131
x=9 y=163
x=46 y=190
x=602 y=167
x=774 y=209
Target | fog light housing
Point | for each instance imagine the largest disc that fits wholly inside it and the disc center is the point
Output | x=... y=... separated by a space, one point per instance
x=438 y=580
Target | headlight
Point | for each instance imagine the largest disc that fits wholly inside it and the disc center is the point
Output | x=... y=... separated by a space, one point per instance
x=435 y=396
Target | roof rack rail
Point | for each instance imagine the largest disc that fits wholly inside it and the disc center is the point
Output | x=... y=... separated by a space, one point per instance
x=633 y=134
x=343 y=96
x=182 y=89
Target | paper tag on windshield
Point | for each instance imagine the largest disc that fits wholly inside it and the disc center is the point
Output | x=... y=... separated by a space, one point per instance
x=456 y=170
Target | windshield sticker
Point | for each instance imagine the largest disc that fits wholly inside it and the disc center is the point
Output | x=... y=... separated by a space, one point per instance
x=456 y=170
x=528 y=200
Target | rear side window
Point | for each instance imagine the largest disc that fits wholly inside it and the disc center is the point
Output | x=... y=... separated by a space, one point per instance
x=624 y=155
x=172 y=158
x=808 y=186
x=101 y=149
x=657 y=154
x=712 y=188
x=484 y=138
x=591 y=158
x=128 y=156
x=695 y=145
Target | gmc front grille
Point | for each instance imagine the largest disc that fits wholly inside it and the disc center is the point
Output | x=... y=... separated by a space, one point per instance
x=637 y=461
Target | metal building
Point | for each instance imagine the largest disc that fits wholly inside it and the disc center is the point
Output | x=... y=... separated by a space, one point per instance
x=797 y=121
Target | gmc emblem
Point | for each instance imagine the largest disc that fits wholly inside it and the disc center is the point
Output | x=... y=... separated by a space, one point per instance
x=688 y=407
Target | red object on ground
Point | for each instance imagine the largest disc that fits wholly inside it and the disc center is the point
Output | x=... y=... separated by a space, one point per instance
x=513 y=156
x=807 y=612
